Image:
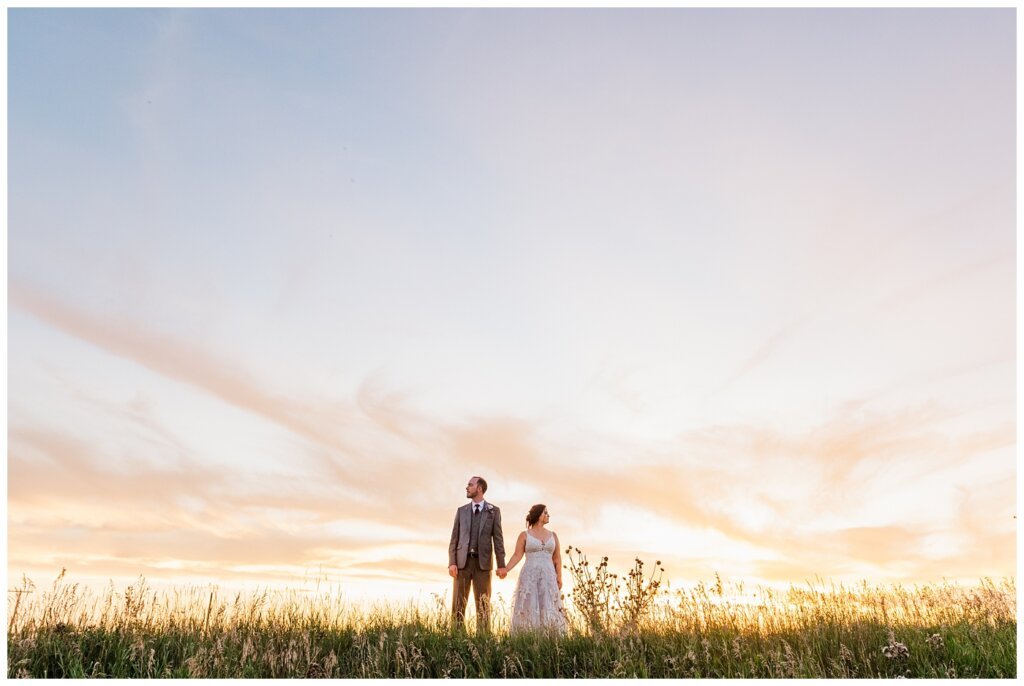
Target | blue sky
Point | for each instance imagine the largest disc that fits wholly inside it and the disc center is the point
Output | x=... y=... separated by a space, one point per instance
x=761 y=259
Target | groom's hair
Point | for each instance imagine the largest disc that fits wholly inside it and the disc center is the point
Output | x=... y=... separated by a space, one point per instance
x=482 y=483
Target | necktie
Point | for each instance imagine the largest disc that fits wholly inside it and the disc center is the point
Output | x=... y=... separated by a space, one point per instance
x=476 y=509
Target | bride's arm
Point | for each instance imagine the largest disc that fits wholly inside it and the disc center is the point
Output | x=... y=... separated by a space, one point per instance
x=556 y=559
x=520 y=551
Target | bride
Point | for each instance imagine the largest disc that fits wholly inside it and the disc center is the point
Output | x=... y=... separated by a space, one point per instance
x=537 y=601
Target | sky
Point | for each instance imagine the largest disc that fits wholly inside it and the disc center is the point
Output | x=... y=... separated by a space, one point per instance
x=729 y=289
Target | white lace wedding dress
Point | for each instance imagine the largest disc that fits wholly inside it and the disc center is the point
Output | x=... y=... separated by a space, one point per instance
x=537 y=602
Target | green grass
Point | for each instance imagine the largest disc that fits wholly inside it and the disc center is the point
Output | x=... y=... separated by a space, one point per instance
x=940 y=630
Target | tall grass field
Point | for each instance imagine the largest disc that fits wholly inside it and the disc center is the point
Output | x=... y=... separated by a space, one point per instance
x=620 y=626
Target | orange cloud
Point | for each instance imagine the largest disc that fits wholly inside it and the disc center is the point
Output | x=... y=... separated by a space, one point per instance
x=322 y=422
x=378 y=462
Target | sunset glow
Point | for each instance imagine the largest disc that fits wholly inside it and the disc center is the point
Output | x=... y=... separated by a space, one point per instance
x=733 y=290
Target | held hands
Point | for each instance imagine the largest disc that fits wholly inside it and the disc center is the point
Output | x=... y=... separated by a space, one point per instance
x=453 y=572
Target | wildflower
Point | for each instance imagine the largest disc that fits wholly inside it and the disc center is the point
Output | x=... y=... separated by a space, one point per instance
x=936 y=642
x=896 y=651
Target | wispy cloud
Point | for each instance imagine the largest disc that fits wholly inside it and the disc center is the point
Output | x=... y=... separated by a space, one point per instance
x=377 y=461
x=323 y=422
x=761 y=355
x=939 y=283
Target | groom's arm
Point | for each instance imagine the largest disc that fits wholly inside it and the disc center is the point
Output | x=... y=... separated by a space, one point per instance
x=455 y=540
x=499 y=540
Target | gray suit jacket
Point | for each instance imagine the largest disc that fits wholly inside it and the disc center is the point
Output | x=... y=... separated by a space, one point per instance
x=491 y=540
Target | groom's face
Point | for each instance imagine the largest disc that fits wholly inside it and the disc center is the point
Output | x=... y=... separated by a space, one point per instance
x=472 y=488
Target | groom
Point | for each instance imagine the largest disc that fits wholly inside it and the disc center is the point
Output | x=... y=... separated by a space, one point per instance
x=475 y=535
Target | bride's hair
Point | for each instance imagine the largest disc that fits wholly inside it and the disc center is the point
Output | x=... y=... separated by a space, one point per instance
x=533 y=516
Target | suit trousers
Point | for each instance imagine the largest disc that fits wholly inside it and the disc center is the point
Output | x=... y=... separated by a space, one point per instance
x=480 y=580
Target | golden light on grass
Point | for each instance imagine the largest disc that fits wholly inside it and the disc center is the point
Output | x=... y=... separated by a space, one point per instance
x=624 y=625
